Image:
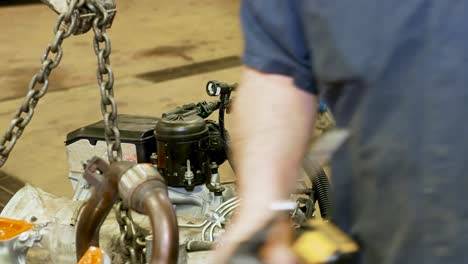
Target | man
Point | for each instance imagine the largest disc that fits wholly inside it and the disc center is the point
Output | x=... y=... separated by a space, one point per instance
x=396 y=75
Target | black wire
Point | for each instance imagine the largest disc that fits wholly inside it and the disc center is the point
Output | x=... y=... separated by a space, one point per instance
x=222 y=109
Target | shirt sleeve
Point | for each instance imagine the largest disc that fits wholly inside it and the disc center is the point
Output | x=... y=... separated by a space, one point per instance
x=274 y=41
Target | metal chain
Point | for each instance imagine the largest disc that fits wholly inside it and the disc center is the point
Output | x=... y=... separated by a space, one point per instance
x=102 y=47
x=131 y=240
x=66 y=26
x=105 y=77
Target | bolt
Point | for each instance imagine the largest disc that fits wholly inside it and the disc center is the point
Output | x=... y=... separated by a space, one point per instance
x=24 y=237
x=189 y=174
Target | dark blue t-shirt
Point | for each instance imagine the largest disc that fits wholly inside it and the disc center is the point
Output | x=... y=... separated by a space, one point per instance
x=395 y=73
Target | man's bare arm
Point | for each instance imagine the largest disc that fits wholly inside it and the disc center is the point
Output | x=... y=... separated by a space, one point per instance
x=273 y=122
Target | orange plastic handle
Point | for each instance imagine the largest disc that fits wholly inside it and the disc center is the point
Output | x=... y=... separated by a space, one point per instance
x=10 y=228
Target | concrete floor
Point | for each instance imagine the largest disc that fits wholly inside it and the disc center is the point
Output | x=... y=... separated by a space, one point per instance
x=150 y=40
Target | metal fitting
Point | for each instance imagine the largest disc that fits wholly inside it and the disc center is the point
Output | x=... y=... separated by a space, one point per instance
x=13 y=250
x=62 y=6
x=87 y=10
x=145 y=191
x=104 y=178
x=135 y=180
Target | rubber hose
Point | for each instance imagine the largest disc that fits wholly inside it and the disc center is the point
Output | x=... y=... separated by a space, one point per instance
x=321 y=188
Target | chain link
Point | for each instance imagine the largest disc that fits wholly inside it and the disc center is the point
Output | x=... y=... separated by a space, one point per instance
x=105 y=77
x=130 y=239
x=66 y=26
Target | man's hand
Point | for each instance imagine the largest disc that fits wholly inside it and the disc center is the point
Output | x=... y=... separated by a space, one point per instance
x=270 y=244
x=273 y=122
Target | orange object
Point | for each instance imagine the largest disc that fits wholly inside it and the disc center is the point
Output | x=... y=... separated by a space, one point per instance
x=10 y=228
x=323 y=243
x=92 y=256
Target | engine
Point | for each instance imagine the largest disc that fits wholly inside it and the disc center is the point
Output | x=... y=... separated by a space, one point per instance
x=185 y=149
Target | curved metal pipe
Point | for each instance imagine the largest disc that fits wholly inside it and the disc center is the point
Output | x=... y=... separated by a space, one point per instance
x=145 y=191
x=105 y=180
x=220 y=209
x=224 y=214
x=164 y=225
